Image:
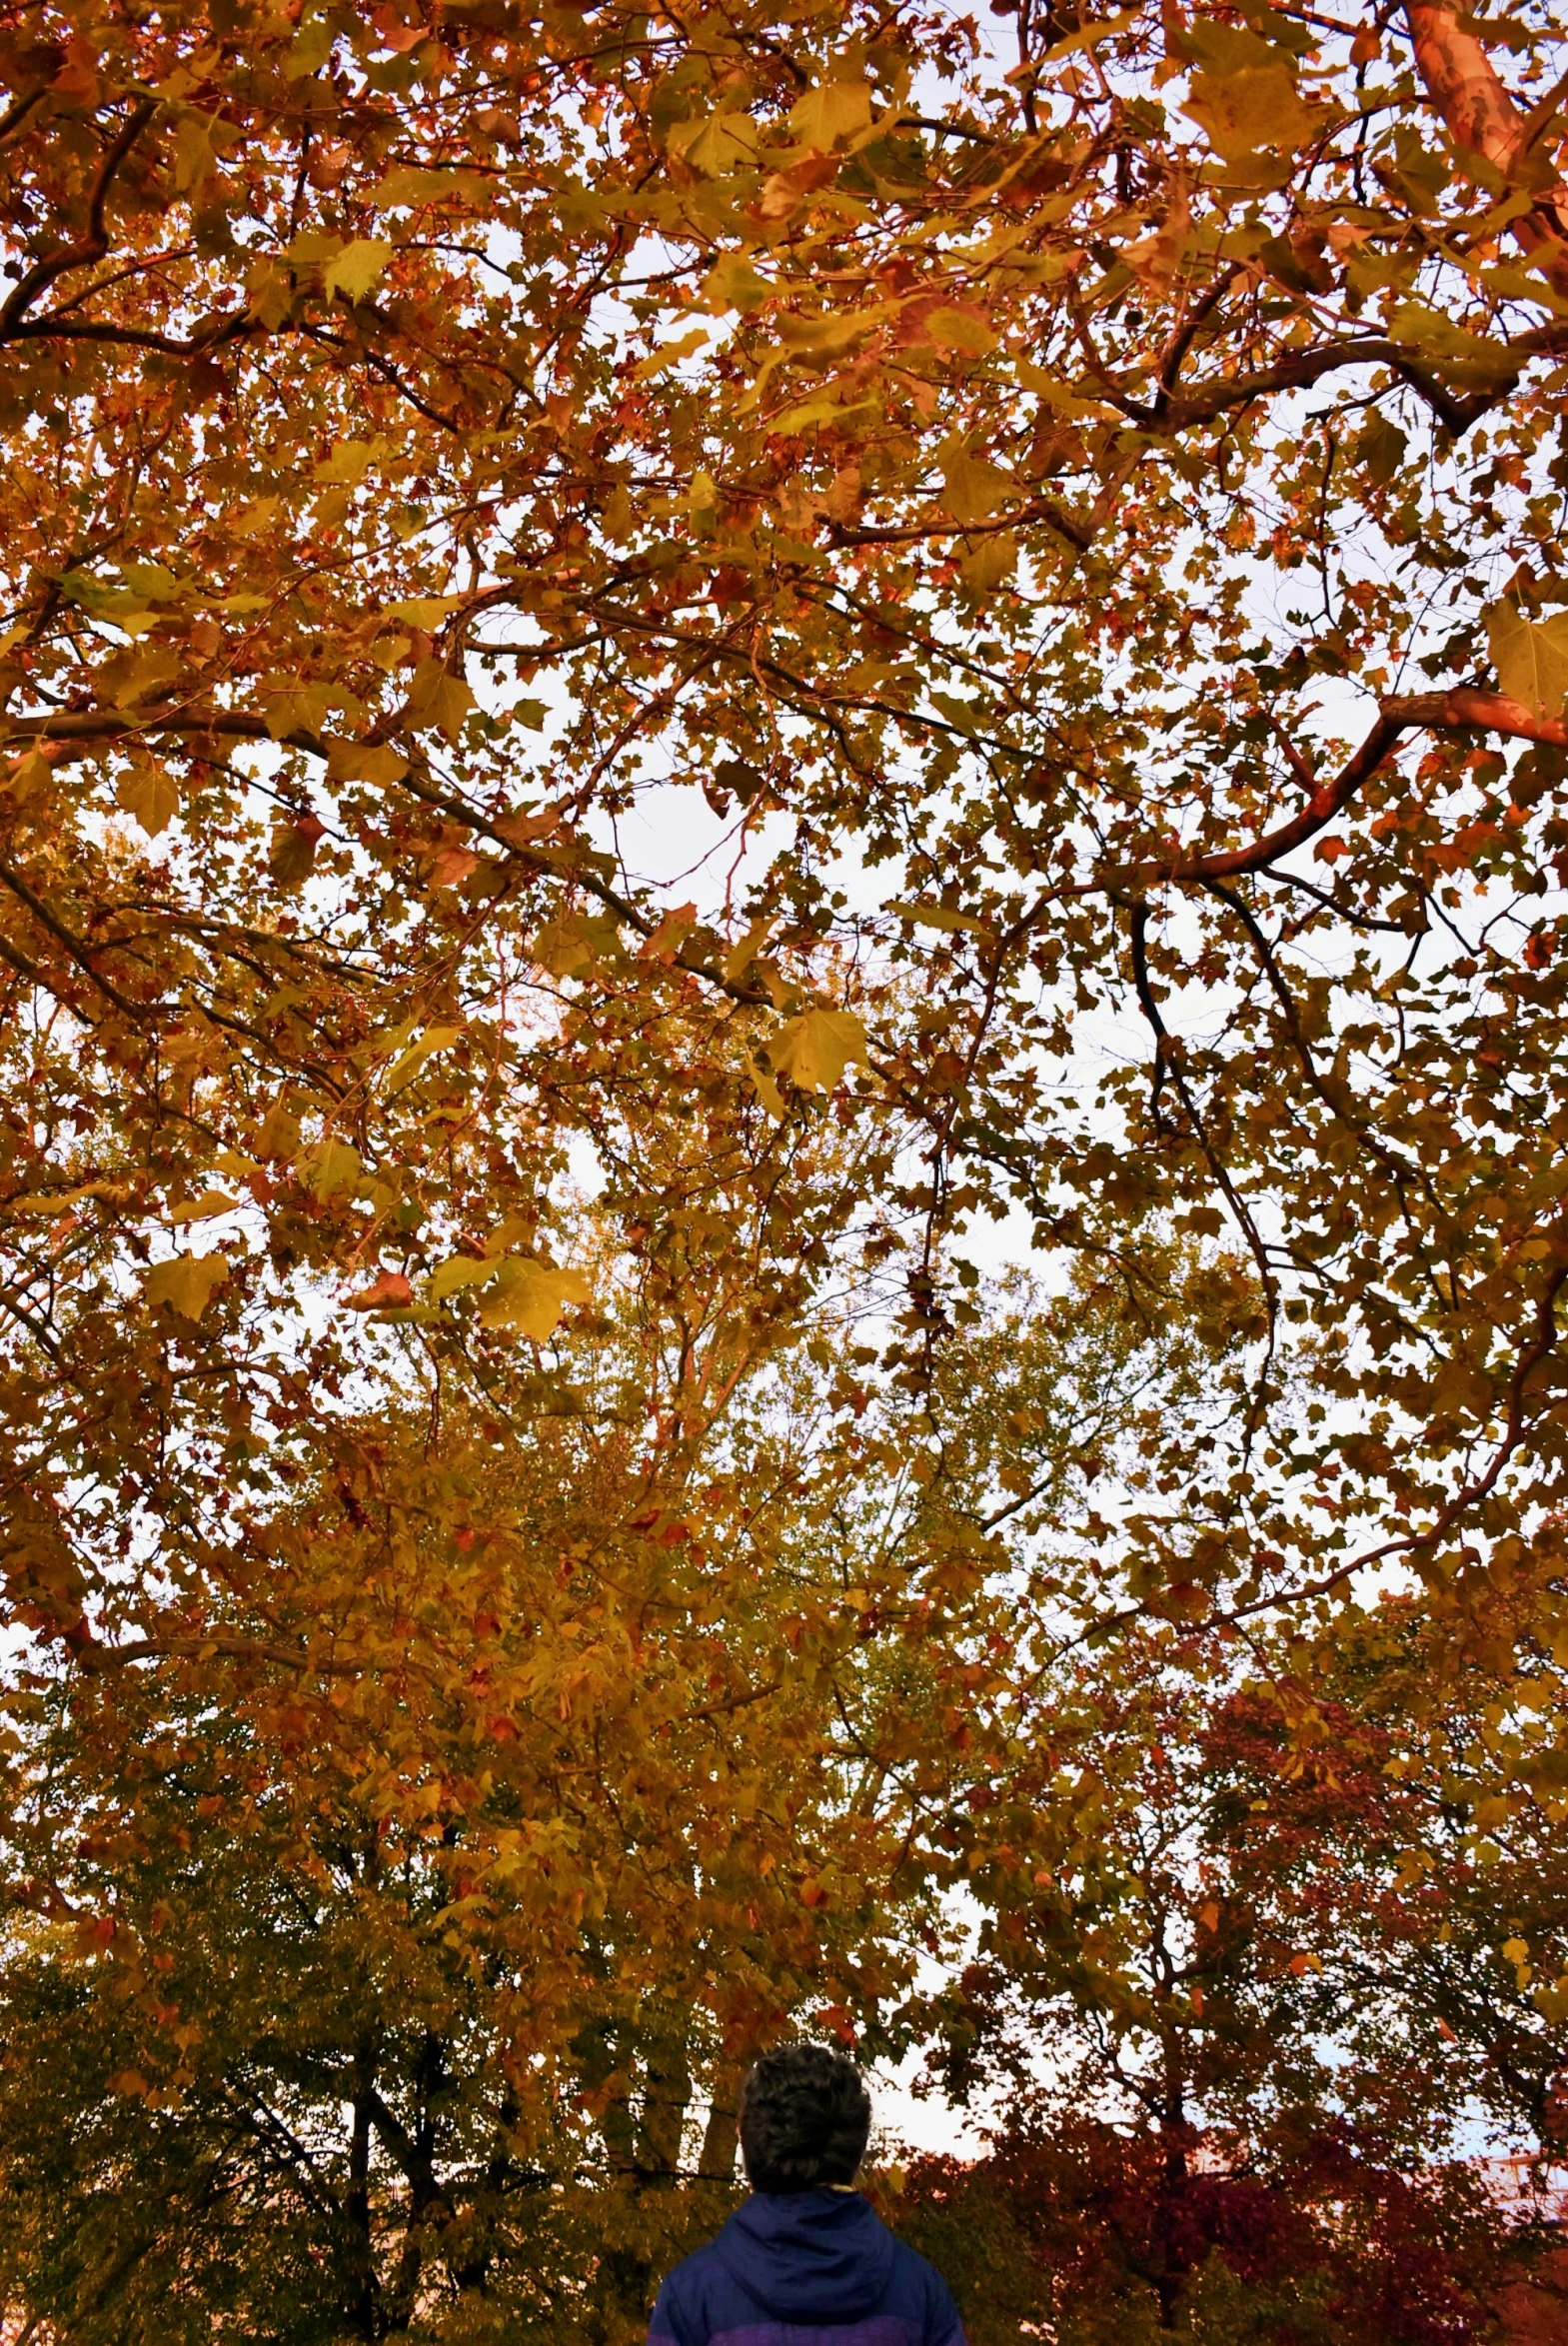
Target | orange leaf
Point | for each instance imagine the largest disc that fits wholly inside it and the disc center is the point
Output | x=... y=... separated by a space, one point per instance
x=389 y=1291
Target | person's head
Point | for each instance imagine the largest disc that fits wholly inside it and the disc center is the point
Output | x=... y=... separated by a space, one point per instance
x=804 y=2119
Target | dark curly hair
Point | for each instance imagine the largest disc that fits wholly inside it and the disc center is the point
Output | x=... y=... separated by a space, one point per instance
x=804 y=2119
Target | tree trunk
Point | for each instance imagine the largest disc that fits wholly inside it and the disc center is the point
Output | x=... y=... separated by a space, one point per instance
x=667 y=2092
x=721 y=2136
x=1169 y=2227
x=360 y=2271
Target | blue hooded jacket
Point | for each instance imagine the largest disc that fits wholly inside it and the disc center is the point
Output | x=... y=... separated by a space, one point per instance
x=806 y=2268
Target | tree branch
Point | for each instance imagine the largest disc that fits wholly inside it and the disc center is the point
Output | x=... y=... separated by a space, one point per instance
x=1480 y=116
x=69 y=944
x=95 y=243
x=1466 y=710
x=95 y=1657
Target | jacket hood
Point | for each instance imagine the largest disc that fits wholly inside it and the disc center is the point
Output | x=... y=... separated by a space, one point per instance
x=808 y=2256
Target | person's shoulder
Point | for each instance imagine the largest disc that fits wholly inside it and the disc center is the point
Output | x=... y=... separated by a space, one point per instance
x=919 y=2289
x=913 y=2272
x=694 y=2273
x=686 y=2300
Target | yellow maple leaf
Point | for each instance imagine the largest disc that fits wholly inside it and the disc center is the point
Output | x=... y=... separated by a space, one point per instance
x=355 y=270
x=186 y=1282
x=332 y=1165
x=426 y=611
x=744 y=951
x=831 y=114
x=437 y=698
x=972 y=487
x=203 y=1206
x=1530 y=657
x=954 y=329
x=151 y=793
x=765 y=1089
x=408 y=1065
x=815 y=1049
x=940 y=917
x=531 y=1296
x=460 y=1271
x=409 y=187
x=371 y=762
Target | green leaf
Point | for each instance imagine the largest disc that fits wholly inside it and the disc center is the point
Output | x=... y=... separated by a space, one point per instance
x=1530 y=657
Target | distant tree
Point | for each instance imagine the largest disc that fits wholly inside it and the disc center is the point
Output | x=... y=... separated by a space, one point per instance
x=1068 y=2230
x=403 y=1989
x=1264 y=1931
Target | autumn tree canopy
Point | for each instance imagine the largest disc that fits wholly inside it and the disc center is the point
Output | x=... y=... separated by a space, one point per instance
x=1079 y=500
x=652 y=663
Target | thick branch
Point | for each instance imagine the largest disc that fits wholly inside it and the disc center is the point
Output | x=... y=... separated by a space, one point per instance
x=54 y=326
x=69 y=944
x=1463 y=711
x=96 y=1657
x=1480 y=116
x=96 y=241
x=1299 y=370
